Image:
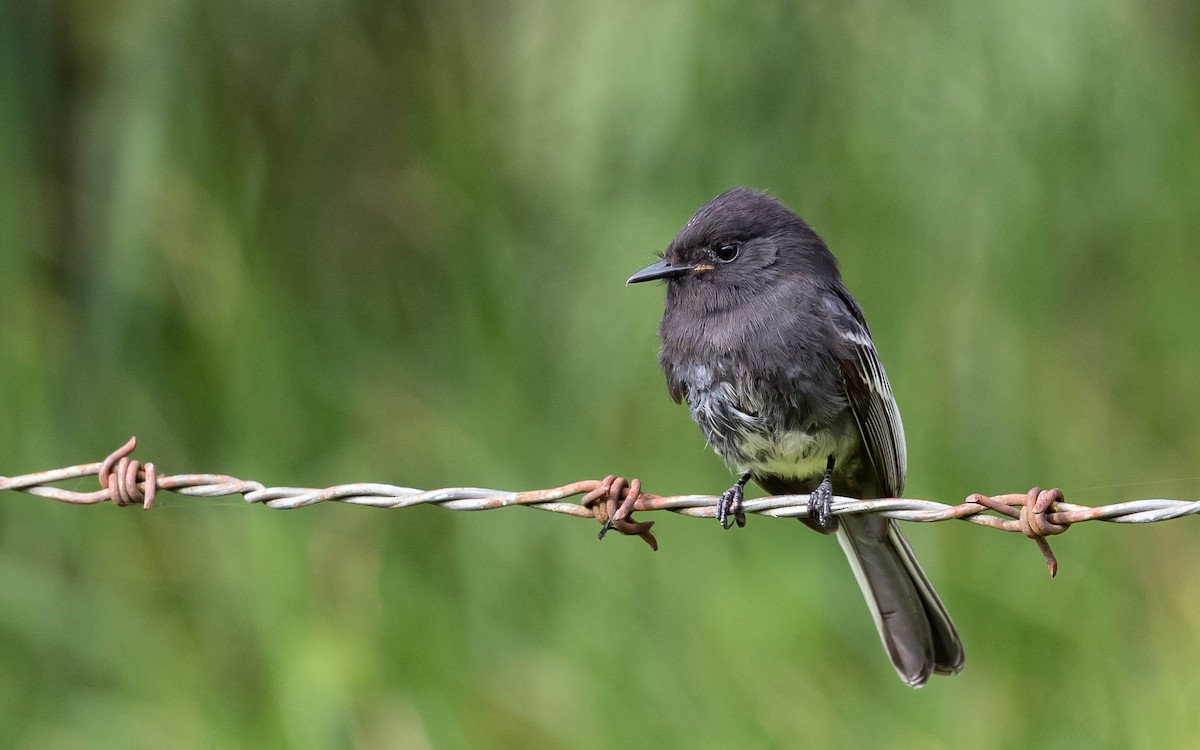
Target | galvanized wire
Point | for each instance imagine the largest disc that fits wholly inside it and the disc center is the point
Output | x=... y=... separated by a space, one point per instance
x=1037 y=513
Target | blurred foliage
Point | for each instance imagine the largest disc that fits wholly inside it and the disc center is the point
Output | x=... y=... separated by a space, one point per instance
x=324 y=241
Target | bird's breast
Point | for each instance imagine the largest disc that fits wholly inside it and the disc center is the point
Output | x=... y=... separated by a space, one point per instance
x=754 y=428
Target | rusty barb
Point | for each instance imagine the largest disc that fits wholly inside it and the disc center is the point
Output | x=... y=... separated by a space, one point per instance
x=612 y=501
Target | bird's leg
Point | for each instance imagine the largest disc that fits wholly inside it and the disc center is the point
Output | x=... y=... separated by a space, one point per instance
x=731 y=500
x=821 y=499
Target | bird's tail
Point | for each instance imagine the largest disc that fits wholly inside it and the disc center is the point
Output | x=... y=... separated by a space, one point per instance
x=916 y=631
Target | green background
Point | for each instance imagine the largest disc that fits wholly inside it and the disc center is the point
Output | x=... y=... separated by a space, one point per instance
x=319 y=242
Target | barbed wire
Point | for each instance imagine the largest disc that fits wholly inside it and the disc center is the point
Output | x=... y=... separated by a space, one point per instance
x=612 y=501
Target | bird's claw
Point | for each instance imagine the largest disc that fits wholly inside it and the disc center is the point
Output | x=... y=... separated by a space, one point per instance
x=729 y=507
x=820 y=504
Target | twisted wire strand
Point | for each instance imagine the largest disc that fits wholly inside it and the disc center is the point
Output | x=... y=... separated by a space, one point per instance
x=1037 y=513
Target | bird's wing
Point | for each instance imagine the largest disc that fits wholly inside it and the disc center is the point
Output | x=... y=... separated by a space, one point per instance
x=869 y=393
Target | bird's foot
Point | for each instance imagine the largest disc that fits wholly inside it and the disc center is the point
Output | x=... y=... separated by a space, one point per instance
x=820 y=503
x=729 y=507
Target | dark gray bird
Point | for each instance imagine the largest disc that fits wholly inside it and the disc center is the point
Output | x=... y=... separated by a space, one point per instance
x=773 y=356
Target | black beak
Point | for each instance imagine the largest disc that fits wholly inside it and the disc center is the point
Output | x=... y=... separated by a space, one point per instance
x=659 y=270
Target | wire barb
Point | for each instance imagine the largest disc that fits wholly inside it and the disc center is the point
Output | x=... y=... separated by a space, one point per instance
x=1037 y=514
x=119 y=474
x=1031 y=518
x=616 y=512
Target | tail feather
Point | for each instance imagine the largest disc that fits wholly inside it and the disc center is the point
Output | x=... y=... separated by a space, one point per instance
x=916 y=631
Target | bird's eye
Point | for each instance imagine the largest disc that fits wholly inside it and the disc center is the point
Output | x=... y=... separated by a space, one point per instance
x=728 y=251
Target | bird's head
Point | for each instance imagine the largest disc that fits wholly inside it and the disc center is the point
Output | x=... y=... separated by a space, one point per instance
x=739 y=242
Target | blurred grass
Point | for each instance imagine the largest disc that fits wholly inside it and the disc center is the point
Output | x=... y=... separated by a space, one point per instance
x=324 y=242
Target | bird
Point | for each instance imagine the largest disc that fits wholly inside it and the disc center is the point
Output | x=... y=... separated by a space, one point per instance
x=773 y=357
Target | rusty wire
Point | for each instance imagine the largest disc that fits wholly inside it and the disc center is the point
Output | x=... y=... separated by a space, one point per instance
x=1037 y=513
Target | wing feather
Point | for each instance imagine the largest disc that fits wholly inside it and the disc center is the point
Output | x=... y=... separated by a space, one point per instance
x=870 y=394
